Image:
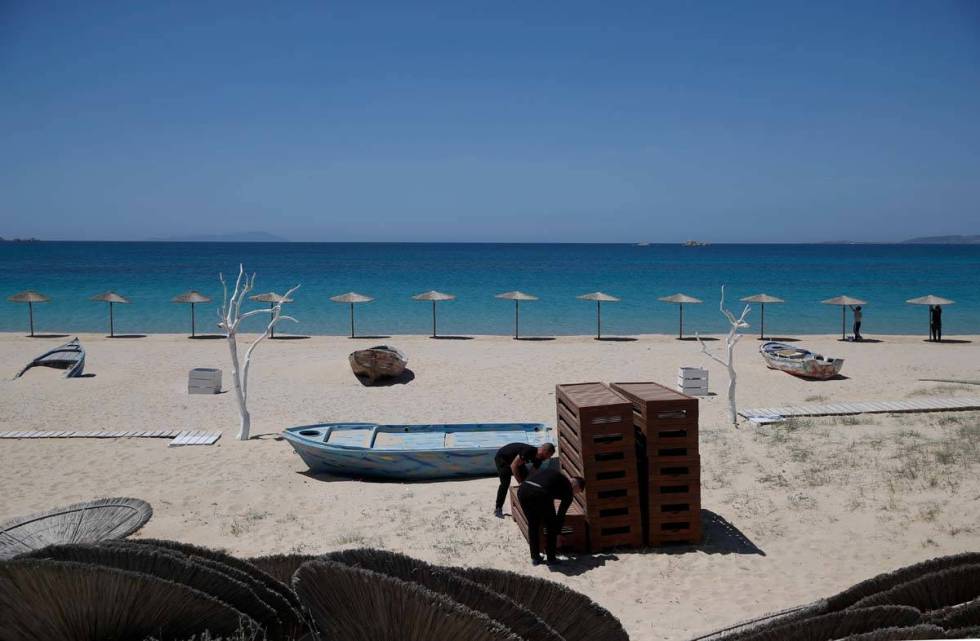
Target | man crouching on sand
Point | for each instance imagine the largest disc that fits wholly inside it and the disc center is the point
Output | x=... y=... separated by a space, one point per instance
x=537 y=496
x=511 y=461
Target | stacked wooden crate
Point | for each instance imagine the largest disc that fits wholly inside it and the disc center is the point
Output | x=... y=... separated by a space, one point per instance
x=596 y=441
x=204 y=380
x=669 y=462
x=692 y=381
x=574 y=535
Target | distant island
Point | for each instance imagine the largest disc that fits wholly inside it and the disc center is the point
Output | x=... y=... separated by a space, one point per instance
x=18 y=240
x=944 y=240
x=242 y=237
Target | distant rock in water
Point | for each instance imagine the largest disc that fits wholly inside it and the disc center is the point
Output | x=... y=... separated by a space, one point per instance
x=944 y=240
x=242 y=237
x=18 y=240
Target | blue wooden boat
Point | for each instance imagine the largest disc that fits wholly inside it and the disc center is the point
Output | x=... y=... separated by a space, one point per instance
x=409 y=452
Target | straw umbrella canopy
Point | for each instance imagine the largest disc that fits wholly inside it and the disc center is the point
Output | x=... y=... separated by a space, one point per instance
x=517 y=297
x=273 y=299
x=192 y=297
x=762 y=299
x=930 y=300
x=30 y=297
x=844 y=302
x=112 y=298
x=434 y=296
x=599 y=298
x=680 y=300
x=351 y=298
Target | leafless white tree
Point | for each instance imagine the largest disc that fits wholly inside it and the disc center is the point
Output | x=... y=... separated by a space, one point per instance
x=730 y=341
x=230 y=317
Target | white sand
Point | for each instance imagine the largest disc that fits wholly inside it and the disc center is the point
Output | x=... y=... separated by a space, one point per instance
x=828 y=501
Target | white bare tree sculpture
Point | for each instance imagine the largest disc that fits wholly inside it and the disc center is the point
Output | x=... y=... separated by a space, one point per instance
x=230 y=317
x=732 y=338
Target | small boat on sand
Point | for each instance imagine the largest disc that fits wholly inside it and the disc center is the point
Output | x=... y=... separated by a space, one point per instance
x=69 y=357
x=409 y=452
x=800 y=362
x=378 y=362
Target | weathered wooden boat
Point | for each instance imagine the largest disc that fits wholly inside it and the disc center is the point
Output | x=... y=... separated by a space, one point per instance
x=409 y=452
x=378 y=362
x=800 y=362
x=69 y=357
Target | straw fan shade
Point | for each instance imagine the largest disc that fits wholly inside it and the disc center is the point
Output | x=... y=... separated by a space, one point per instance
x=42 y=599
x=273 y=299
x=433 y=296
x=844 y=302
x=88 y=522
x=599 y=298
x=351 y=298
x=192 y=297
x=30 y=297
x=930 y=300
x=762 y=300
x=111 y=298
x=517 y=297
x=341 y=598
x=466 y=592
x=680 y=300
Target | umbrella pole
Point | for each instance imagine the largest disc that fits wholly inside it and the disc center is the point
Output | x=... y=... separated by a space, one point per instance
x=598 y=320
x=272 y=330
x=111 y=331
x=762 y=322
x=680 y=322
x=843 y=322
x=193 y=324
x=433 y=319
x=352 y=320
x=30 y=311
x=517 y=318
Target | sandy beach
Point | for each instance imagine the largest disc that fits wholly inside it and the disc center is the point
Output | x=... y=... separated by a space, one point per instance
x=820 y=503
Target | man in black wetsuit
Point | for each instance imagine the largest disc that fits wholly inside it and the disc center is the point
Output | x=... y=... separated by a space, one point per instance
x=537 y=496
x=511 y=461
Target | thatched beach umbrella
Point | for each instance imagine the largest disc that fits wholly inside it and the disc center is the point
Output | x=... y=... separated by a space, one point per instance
x=762 y=299
x=30 y=297
x=517 y=297
x=844 y=302
x=193 y=298
x=272 y=298
x=599 y=298
x=351 y=298
x=112 y=298
x=930 y=300
x=434 y=296
x=680 y=300
x=89 y=522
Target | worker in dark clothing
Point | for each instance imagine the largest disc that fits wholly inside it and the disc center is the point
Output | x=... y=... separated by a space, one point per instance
x=537 y=496
x=858 y=317
x=936 y=325
x=512 y=461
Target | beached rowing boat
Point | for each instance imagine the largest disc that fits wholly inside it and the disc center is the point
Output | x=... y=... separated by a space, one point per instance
x=69 y=357
x=800 y=362
x=409 y=452
x=378 y=362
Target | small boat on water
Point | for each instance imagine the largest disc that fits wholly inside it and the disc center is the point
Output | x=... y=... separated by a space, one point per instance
x=800 y=362
x=69 y=357
x=378 y=362
x=409 y=452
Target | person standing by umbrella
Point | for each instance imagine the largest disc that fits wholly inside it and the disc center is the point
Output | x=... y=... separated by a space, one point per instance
x=935 y=304
x=858 y=317
x=937 y=323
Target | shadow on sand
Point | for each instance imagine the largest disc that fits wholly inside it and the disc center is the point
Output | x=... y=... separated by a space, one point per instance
x=779 y=339
x=535 y=339
x=720 y=536
x=404 y=378
x=127 y=336
x=206 y=337
x=451 y=338
x=49 y=336
x=616 y=339
x=863 y=340
x=951 y=341
x=289 y=337
x=706 y=339
x=368 y=337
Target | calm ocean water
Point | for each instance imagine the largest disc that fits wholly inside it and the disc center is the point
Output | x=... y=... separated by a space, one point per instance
x=150 y=274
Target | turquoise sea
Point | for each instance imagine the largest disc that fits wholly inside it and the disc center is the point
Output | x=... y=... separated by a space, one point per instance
x=150 y=274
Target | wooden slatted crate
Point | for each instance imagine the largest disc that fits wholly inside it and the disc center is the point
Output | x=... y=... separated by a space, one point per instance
x=656 y=407
x=574 y=535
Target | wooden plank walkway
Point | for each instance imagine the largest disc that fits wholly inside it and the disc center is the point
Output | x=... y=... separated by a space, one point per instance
x=867 y=407
x=180 y=437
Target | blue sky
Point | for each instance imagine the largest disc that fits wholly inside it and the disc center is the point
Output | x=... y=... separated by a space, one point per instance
x=496 y=121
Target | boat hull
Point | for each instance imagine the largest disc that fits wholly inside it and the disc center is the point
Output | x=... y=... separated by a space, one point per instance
x=378 y=362
x=468 y=450
x=804 y=363
x=69 y=357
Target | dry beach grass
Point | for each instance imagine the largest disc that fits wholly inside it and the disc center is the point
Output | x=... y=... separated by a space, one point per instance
x=794 y=511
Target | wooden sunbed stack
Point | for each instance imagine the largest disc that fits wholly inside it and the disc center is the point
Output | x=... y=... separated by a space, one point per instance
x=596 y=441
x=574 y=535
x=666 y=424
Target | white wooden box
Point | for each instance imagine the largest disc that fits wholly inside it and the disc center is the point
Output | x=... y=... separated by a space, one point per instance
x=204 y=380
x=692 y=381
